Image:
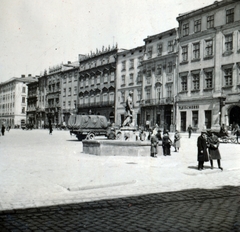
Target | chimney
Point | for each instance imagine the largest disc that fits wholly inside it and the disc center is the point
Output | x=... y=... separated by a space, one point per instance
x=69 y=62
x=29 y=75
x=22 y=75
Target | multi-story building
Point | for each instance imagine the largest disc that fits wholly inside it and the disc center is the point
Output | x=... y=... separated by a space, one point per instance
x=13 y=101
x=32 y=103
x=159 y=68
x=41 y=116
x=53 y=105
x=69 y=90
x=129 y=78
x=209 y=67
x=96 y=85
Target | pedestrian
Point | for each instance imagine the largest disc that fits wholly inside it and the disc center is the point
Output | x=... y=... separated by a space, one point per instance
x=213 y=144
x=237 y=131
x=50 y=128
x=177 y=138
x=166 y=144
x=154 y=144
x=189 y=131
x=3 y=129
x=202 y=155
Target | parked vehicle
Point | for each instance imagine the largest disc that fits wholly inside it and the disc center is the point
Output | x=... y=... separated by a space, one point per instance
x=88 y=126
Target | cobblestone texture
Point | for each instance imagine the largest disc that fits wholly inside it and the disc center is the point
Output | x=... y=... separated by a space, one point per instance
x=188 y=210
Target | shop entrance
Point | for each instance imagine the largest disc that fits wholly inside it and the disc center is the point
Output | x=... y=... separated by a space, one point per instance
x=183 y=121
x=234 y=117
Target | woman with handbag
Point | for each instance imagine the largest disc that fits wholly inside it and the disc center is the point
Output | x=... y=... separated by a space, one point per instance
x=166 y=144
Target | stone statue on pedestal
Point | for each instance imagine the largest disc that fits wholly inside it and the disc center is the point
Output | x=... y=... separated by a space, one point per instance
x=129 y=121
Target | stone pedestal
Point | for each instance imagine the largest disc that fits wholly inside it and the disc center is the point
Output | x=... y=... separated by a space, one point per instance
x=129 y=134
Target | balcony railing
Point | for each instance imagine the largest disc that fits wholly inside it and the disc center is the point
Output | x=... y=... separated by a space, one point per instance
x=96 y=104
x=161 y=101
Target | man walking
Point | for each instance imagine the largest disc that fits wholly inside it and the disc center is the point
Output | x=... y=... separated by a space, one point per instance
x=189 y=131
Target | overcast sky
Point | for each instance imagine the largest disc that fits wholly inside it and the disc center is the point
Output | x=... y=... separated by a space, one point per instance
x=38 y=34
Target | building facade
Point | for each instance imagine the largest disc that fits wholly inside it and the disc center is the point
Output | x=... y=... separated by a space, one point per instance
x=13 y=101
x=69 y=90
x=96 y=85
x=129 y=78
x=209 y=55
x=32 y=102
x=159 y=69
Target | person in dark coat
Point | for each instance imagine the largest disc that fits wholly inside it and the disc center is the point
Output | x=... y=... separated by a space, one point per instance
x=202 y=150
x=189 y=131
x=166 y=144
x=50 y=128
x=213 y=144
x=154 y=144
x=3 y=129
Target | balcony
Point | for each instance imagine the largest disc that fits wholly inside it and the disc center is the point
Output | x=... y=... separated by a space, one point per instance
x=161 y=101
x=96 y=104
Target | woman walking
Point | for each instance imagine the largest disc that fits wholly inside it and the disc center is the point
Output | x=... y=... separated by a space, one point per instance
x=154 y=144
x=177 y=138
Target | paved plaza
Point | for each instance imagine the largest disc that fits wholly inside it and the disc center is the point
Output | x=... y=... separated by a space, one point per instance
x=48 y=184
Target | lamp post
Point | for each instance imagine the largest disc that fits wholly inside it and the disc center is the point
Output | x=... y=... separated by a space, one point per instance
x=221 y=104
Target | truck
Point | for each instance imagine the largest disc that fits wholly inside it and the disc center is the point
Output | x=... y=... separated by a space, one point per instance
x=88 y=126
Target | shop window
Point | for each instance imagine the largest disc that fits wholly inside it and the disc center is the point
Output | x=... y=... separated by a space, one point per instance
x=195 y=119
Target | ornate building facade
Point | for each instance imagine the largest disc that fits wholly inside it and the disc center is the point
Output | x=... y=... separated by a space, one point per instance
x=129 y=78
x=159 y=68
x=96 y=85
x=209 y=70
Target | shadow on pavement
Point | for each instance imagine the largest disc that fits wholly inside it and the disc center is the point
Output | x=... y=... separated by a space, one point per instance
x=186 y=210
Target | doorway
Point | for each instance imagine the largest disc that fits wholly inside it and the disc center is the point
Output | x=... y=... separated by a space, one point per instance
x=183 y=121
x=234 y=116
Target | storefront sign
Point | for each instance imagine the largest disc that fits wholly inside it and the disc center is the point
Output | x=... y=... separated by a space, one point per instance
x=188 y=107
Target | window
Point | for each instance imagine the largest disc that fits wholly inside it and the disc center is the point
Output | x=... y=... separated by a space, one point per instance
x=75 y=76
x=228 y=76
x=185 y=29
x=23 y=99
x=159 y=69
x=75 y=90
x=112 y=76
x=64 y=79
x=123 y=79
x=23 y=89
x=23 y=110
x=230 y=16
x=210 y=21
x=148 y=94
x=140 y=61
x=98 y=79
x=122 y=96
x=196 y=51
x=209 y=48
x=170 y=67
x=197 y=25
x=131 y=66
x=149 y=52
x=195 y=119
x=139 y=95
x=185 y=53
x=64 y=92
x=195 y=80
x=69 y=91
x=139 y=77
x=69 y=104
x=92 y=80
x=131 y=78
x=169 y=90
x=81 y=83
x=70 y=77
x=229 y=42
x=149 y=73
x=87 y=81
x=170 y=46
x=159 y=49
x=123 y=65
x=64 y=104
x=208 y=79
x=105 y=78
x=184 y=83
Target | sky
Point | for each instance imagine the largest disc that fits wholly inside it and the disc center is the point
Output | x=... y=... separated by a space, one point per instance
x=38 y=34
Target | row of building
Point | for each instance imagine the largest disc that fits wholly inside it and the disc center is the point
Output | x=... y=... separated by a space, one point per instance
x=188 y=75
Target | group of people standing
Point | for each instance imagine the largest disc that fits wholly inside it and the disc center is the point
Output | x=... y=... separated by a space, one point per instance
x=166 y=142
x=208 y=144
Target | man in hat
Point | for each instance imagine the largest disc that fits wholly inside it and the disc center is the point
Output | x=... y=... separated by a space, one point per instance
x=202 y=149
